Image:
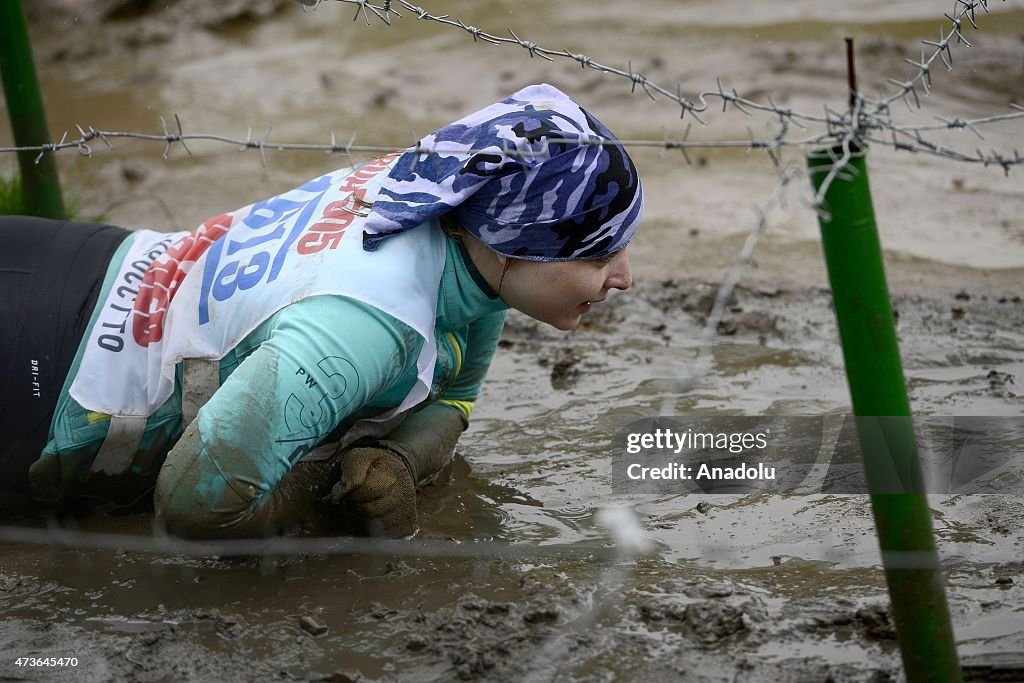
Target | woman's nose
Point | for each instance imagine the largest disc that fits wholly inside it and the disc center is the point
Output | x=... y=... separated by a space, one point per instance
x=619 y=276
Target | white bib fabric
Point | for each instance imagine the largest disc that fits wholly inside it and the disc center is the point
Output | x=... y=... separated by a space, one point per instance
x=200 y=297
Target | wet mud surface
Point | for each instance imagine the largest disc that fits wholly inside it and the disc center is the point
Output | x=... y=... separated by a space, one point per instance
x=736 y=588
x=733 y=587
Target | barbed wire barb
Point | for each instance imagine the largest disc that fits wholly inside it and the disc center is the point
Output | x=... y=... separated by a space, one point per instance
x=687 y=105
x=102 y=136
x=925 y=68
x=181 y=135
x=415 y=150
x=721 y=93
x=348 y=151
x=956 y=30
x=477 y=34
x=785 y=115
x=641 y=80
x=530 y=47
x=262 y=146
x=583 y=60
x=388 y=11
x=168 y=138
x=771 y=151
x=943 y=48
x=753 y=143
x=43 y=149
x=961 y=123
x=682 y=148
x=84 y=148
x=969 y=15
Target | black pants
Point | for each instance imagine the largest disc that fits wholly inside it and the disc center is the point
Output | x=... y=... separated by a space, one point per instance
x=51 y=273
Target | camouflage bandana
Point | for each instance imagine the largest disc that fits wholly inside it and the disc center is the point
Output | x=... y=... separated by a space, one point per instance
x=523 y=176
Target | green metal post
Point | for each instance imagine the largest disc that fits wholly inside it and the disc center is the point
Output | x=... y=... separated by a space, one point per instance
x=853 y=256
x=40 y=184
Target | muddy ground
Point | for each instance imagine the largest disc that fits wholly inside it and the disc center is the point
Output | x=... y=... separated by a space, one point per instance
x=737 y=588
x=734 y=587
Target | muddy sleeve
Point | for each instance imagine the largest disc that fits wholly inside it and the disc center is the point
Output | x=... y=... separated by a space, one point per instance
x=425 y=441
x=279 y=403
x=481 y=341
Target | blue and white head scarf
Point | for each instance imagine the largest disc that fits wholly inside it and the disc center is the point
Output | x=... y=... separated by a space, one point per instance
x=522 y=176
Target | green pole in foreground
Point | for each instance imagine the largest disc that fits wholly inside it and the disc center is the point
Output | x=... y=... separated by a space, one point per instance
x=40 y=184
x=853 y=256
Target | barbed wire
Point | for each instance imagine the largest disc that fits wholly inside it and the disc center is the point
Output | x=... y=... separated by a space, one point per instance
x=906 y=88
x=841 y=126
x=941 y=50
x=620 y=545
x=159 y=543
x=909 y=138
x=878 y=118
x=649 y=87
x=702 y=360
x=837 y=124
x=89 y=135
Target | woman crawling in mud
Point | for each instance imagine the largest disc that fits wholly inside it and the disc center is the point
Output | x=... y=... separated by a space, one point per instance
x=312 y=355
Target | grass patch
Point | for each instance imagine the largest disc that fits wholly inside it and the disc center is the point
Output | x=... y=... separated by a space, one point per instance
x=12 y=203
x=10 y=196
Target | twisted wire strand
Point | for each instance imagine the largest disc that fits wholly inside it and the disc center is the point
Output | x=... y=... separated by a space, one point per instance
x=709 y=332
x=841 y=128
x=161 y=544
x=89 y=135
x=620 y=549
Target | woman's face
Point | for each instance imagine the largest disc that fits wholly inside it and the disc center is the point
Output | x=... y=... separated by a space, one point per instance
x=560 y=292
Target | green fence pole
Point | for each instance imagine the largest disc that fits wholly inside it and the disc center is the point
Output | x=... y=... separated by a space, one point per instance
x=853 y=256
x=40 y=184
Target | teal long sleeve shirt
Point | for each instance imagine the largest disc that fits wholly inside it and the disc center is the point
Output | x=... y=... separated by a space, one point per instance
x=299 y=379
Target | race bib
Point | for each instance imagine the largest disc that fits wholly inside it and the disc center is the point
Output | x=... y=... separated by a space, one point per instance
x=198 y=294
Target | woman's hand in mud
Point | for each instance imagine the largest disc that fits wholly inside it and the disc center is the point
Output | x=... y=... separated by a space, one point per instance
x=376 y=484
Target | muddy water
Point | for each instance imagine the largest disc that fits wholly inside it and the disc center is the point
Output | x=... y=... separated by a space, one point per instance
x=743 y=588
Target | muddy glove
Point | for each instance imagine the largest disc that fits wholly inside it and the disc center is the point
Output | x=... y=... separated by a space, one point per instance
x=380 y=480
x=377 y=484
